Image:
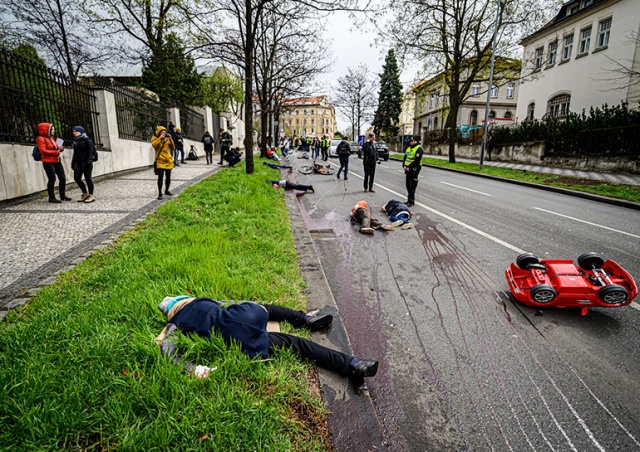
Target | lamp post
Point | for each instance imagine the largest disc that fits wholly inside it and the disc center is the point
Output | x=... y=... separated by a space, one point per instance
x=486 y=112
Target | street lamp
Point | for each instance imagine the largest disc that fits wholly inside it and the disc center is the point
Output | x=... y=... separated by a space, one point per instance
x=486 y=112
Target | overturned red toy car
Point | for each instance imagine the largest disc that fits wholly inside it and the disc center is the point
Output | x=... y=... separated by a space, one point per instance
x=594 y=282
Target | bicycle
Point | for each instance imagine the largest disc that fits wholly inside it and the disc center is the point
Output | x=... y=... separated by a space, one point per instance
x=317 y=169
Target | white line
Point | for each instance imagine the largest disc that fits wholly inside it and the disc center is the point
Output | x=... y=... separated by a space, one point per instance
x=465 y=188
x=635 y=305
x=588 y=222
x=464 y=225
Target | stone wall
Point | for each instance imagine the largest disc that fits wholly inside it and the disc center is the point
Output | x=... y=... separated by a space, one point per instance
x=20 y=175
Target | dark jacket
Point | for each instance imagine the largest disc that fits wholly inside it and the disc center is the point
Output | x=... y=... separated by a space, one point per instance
x=394 y=207
x=343 y=149
x=369 y=153
x=245 y=323
x=178 y=140
x=207 y=137
x=83 y=151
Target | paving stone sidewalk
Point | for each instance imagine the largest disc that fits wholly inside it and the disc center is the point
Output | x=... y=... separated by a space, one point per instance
x=630 y=179
x=39 y=239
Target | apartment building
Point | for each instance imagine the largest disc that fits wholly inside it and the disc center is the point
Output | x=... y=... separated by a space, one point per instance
x=308 y=116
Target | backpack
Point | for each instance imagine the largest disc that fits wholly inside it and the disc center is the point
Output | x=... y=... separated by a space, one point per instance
x=94 y=156
x=36 y=154
x=192 y=154
x=208 y=140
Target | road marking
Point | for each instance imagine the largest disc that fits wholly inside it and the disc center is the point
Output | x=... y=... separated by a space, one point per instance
x=588 y=222
x=465 y=188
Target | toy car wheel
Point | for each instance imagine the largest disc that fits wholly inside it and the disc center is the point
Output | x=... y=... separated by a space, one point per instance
x=543 y=293
x=613 y=294
x=525 y=259
x=587 y=261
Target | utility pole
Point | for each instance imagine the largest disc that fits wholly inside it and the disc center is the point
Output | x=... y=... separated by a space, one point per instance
x=486 y=112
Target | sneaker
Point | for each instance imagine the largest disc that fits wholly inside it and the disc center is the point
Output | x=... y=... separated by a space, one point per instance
x=89 y=199
x=168 y=193
x=366 y=230
x=346 y=178
x=338 y=176
x=83 y=197
x=311 y=189
x=407 y=226
x=54 y=200
x=160 y=196
x=388 y=227
x=65 y=198
x=183 y=163
x=397 y=223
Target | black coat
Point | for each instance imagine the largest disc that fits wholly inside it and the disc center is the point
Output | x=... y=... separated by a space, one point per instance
x=83 y=151
x=369 y=153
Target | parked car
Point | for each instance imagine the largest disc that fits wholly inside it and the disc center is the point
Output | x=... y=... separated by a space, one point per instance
x=333 y=146
x=354 y=147
x=381 y=147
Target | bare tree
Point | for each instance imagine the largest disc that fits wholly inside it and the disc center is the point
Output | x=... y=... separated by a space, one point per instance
x=355 y=97
x=624 y=74
x=454 y=37
x=58 y=29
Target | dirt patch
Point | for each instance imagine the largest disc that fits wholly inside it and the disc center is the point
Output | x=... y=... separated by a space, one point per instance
x=571 y=180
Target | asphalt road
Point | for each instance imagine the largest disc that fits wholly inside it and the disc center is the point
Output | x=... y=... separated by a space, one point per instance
x=462 y=366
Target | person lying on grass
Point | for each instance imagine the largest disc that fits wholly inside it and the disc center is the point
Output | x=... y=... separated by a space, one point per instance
x=290 y=185
x=274 y=166
x=246 y=323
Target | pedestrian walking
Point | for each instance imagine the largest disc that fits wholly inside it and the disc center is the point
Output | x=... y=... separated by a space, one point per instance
x=163 y=164
x=316 y=147
x=226 y=140
x=369 y=162
x=50 y=149
x=207 y=139
x=412 y=164
x=84 y=154
x=344 y=152
x=491 y=143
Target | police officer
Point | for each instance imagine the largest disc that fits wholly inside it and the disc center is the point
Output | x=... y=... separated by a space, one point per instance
x=324 y=146
x=412 y=166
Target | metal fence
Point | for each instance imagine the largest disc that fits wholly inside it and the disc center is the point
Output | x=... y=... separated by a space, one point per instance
x=31 y=93
x=606 y=141
x=138 y=115
x=191 y=123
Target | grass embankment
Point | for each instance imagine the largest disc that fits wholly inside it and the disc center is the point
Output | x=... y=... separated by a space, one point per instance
x=78 y=366
x=602 y=188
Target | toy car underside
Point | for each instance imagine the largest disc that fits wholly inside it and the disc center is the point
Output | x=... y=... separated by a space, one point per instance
x=594 y=282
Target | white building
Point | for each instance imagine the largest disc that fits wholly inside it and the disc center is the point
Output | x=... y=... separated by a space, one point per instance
x=576 y=61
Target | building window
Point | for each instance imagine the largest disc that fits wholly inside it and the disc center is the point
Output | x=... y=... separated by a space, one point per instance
x=575 y=8
x=312 y=111
x=312 y=121
x=297 y=112
x=475 y=89
x=297 y=122
x=558 y=106
x=567 y=50
x=494 y=91
x=305 y=111
x=553 y=51
x=473 y=118
x=510 y=90
x=508 y=115
x=539 y=56
x=605 y=30
x=492 y=114
x=585 y=40
x=531 y=111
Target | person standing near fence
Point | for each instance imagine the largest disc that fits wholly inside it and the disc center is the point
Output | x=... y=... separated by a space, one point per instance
x=179 y=142
x=225 y=144
x=50 y=156
x=163 y=145
x=82 y=163
x=207 y=139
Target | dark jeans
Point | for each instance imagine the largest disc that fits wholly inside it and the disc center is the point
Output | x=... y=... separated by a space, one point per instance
x=83 y=170
x=412 y=184
x=291 y=185
x=369 y=174
x=223 y=151
x=53 y=170
x=344 y=163
x=161 y=173
x=209 y=154
x=324 y=154
x=179 y=152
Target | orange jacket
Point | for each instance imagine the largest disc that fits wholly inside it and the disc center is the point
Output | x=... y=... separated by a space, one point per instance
x=360 y=205
x=49 y=150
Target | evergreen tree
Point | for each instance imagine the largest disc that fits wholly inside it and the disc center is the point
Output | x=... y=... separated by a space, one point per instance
x=172 y=74
x=390 y=99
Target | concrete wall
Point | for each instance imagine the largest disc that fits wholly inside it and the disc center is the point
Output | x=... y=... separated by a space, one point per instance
x=533 y=154
x=20 y=175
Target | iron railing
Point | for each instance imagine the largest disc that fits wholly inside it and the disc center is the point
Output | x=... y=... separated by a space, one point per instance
x=138 y=115
x=191 y=122
x=31 y=93
x=606 y=141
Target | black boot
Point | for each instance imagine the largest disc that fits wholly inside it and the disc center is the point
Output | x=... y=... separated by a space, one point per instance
x=319 y=322
x=363 y=368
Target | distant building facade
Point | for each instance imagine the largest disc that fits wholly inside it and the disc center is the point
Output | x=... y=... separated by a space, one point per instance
x=577 y=60
x=432 y=106
x=308 y=116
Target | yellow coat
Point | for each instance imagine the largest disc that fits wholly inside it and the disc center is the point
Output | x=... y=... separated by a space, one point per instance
x=163 y=148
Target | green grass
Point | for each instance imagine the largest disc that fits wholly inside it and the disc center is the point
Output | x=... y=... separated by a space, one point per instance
x=78 y=366
x=603 y=188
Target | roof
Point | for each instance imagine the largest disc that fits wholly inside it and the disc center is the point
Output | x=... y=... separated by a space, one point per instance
x=564 y=15
x=316 y=100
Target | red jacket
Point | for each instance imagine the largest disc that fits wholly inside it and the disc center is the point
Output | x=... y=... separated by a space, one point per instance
x=49 y=150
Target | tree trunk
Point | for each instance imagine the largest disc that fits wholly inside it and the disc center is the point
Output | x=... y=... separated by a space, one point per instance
x=451 y=127
x=248 y=88
x=264 y=131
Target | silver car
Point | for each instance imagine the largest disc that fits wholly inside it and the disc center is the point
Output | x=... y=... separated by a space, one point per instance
x=333 y=146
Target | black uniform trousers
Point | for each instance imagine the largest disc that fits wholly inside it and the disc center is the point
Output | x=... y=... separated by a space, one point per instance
x=324 y=357
x=412 y=183
x=369 y=174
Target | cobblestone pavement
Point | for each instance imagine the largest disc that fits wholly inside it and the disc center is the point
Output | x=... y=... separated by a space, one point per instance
x=631 y=179
x=38 y=239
